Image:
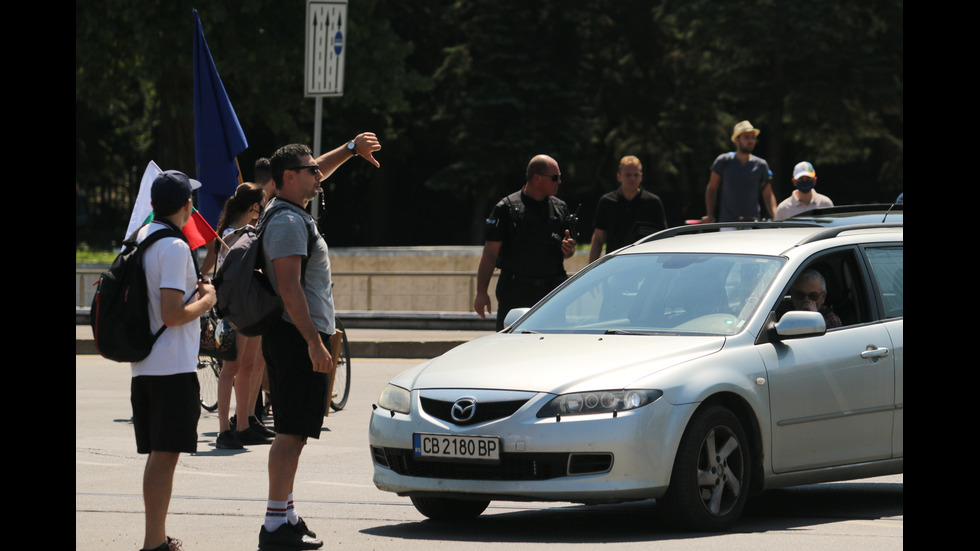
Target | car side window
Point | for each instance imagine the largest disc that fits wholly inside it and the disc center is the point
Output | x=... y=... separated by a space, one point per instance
x=845 y=294
x=889 y=273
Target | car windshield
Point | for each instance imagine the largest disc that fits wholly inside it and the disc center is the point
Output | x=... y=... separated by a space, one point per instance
x=700 y=294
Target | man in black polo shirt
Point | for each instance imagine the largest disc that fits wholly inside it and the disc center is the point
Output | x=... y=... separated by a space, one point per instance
x=528 y=237
x=627 y=214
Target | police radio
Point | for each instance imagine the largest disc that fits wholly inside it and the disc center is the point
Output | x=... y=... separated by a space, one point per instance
x=572 y=221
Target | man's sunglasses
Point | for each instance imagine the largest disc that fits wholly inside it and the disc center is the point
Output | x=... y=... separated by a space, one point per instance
x=313 y=168
x=800 y=295
x=554 y=177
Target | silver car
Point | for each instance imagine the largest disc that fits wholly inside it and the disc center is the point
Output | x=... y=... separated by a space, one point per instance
x=681 y=368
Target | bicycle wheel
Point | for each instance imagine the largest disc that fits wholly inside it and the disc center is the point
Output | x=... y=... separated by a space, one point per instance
x=341 y=382
x=208 y=369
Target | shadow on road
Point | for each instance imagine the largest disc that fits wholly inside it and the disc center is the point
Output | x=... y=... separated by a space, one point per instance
x=638 y=521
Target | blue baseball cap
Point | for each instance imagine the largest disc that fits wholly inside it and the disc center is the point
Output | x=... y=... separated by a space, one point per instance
x=172 y=189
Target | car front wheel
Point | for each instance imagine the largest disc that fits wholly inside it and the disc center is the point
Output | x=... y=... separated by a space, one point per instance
x=444 y=508
x=710 y=481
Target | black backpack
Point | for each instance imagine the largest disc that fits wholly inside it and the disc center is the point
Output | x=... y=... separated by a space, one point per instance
x=120 y=313
x=246 y=297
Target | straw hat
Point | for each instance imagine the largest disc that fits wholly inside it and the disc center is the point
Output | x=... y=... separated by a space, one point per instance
x=742 y=128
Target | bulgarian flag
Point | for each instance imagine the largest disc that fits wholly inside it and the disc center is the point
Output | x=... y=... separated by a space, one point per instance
x=197 y=230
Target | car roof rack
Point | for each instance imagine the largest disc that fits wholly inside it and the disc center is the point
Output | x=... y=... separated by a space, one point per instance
x=704 y=228
x=861 y=207
x=837 y=230
x=827 y=233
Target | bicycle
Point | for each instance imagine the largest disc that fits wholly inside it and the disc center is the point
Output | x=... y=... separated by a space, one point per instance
x=341 y=377
x=209 y=368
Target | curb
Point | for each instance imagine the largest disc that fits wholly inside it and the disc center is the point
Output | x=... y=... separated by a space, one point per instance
x=386 y=335
x=358 y=349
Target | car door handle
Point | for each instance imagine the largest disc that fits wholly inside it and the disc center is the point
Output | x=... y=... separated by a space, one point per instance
x=874 y=353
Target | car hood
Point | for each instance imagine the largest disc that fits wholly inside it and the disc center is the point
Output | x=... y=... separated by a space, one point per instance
x=556 y=363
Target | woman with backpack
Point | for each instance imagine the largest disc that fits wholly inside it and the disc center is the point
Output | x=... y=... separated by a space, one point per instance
x=241 y=212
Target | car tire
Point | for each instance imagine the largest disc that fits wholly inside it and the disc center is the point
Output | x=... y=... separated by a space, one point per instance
x=709 y=484
x=448 y=509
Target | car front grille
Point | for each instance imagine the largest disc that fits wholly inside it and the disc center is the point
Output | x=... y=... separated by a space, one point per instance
x=512 y=466
x=485 y=411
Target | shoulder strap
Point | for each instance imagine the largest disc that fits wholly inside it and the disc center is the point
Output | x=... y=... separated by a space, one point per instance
x=279 y=205
x=171 y=231
x=516 y=209
x=553 y=208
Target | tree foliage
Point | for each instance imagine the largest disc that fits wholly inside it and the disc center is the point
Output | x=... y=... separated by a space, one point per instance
x=464 y=93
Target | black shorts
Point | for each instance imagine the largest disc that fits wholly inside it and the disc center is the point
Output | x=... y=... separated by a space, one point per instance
x=299 y=394
x=165 y=412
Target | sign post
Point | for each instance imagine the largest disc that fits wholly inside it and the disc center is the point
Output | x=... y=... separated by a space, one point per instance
x=326 y=36
x=326 y=40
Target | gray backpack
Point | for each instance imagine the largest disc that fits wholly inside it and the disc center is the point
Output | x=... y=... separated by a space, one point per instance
x=246 y=297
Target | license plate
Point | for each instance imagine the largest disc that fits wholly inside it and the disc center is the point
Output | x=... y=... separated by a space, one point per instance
x=448 y=446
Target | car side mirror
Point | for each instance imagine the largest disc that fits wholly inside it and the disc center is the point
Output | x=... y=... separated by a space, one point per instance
x=514 y=315
x=796 y=324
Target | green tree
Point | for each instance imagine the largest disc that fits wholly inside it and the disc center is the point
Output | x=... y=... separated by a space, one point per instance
x=134 y=86
x=464 y=92
x=509 y=91
x=822 y=78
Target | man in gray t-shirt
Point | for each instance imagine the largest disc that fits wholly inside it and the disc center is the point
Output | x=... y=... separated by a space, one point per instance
x=741 y=176
x=288 y=232
x=296 y=348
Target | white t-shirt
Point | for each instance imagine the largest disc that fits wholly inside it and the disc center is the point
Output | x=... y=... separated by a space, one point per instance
x=792 y=206
x=168 y=265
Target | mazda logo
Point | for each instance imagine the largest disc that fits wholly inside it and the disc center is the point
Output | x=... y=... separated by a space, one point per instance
x=463 y=410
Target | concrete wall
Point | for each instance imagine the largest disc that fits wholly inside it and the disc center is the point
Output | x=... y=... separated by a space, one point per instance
x=412 y=279
x=394 y=279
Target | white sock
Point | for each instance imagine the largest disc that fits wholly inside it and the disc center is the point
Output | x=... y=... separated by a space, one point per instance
x=275 y=515
x=291 y=514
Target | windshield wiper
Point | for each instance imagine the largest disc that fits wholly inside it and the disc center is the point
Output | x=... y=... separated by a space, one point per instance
x=647 y=333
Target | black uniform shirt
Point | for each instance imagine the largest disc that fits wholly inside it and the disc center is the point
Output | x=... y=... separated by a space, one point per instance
x=530 y=233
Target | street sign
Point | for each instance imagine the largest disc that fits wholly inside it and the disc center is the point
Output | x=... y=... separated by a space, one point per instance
x=326 y=45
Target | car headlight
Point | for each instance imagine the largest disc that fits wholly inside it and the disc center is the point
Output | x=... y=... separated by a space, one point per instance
x=395 y=398
x=600 y=401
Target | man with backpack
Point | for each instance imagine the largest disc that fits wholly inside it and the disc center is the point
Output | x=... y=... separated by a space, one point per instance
x=165 y=393
x=296 y=347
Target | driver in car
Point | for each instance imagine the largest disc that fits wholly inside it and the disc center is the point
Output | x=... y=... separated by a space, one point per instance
x=809 y=292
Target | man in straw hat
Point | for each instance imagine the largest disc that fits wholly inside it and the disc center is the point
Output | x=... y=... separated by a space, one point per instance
x=741 y=176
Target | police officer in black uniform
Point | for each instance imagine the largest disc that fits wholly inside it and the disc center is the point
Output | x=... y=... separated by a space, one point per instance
x=528 y=236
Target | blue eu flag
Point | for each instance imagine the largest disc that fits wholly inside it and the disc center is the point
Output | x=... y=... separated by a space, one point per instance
x=218 y=138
